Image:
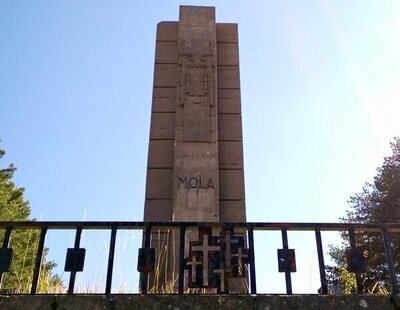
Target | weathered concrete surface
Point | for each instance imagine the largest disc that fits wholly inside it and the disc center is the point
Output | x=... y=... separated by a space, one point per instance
x=175 y=302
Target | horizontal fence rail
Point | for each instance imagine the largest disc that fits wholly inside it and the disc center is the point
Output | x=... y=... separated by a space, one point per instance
x=207 y=252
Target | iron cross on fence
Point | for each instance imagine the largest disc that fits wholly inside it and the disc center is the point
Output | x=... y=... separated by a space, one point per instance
x=228 y=241
x=215 y=260
x=205 y=249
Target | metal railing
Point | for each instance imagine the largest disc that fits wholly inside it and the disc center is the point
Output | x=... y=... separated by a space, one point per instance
x=75 y=256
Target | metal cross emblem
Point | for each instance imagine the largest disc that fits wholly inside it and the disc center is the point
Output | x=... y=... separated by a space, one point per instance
x=241 y=260
x=221 y=271
x=228 y=241
x=194 y=263
x=205 y=249
x=216 y=259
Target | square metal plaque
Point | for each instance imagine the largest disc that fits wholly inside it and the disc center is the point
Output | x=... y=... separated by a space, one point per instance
x=6 y=256
x=75 y=259
x=286 y=260
x=355 y=260
x=146 y=260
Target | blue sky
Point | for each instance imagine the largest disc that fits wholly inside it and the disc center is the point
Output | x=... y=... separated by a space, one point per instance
x=319 y=95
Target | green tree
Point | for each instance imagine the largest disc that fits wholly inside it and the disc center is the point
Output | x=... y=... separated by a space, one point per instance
x=24 y=243
x=378 y=202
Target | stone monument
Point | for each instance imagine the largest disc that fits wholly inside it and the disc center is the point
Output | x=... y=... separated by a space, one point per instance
x=195 y=159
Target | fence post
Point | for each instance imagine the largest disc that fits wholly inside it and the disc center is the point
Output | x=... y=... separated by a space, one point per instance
x=353 y=245
x=38 y=262
x=6 y=243
x=390 y=261
x=182 y=232
x=288 y=276
x=321 y=263
x=72 y=276
x=144 y=277
x=111 y=259
x=253 y=285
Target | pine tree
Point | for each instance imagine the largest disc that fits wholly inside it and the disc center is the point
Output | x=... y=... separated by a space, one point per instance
x=379 y=202
x=24 y=243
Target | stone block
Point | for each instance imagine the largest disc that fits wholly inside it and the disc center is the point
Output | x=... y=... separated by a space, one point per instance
x=159 y=184
x=161 y=154
x=232 y=211
x=162 y=126
x=227 y=54
x=230 y=154
x=167 y=52
x=230 y=127
x=158 y=210
x=165 y=75
x=229 y=101
x=228 y=77
x=196 y=20
x=167 y=31
x=227 y=33
x=231 y=184
x=164 y=99
x=164 y=92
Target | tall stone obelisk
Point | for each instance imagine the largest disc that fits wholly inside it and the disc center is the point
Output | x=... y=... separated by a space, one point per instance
x=195 y=161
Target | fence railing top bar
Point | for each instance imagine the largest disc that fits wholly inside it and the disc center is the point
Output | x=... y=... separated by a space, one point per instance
x=390 y=227
x=75 y=224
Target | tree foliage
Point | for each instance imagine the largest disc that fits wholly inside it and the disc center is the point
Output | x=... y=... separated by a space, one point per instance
x=378 y=202
x=24 y=243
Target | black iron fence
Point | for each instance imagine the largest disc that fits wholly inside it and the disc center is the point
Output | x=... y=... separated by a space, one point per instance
x=207 y=260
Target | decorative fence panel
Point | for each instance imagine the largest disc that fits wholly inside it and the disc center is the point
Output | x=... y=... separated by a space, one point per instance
x=212 y=257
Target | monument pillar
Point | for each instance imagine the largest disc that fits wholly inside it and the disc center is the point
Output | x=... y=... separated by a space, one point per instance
x=196 y=185
x=195 y=159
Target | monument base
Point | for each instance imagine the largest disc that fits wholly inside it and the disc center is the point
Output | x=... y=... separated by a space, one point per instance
x=97 y=302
